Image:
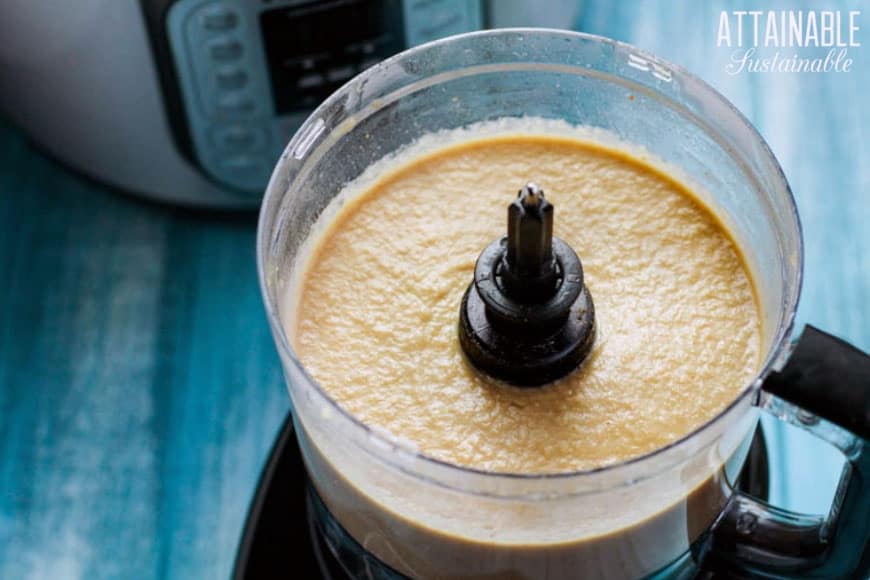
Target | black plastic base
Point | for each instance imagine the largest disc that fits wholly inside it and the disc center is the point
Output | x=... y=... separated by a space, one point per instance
x=289 y=532
x=526 y=360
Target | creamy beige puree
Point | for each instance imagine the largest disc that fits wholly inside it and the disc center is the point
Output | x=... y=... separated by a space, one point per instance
x=678 y=326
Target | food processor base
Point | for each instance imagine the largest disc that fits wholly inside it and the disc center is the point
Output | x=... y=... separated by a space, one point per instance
x=290 y=533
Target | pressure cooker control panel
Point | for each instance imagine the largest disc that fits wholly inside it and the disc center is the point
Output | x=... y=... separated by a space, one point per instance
x=249 y=72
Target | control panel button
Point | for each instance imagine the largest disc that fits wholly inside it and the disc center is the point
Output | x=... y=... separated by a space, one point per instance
x=339 y=74
x=219 y=18
x=239 y=138
x=310 y=81
x=242 y=163
x=244 y=170
x=231 y=77
x=236 y=104
x=225 y=49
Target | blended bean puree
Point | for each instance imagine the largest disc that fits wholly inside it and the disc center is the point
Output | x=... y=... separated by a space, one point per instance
x=678 y=325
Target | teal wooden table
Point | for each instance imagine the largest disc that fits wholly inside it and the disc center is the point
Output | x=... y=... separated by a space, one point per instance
x=139 y=388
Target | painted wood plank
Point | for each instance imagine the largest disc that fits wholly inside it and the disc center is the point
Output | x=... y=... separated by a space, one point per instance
x=139 y=389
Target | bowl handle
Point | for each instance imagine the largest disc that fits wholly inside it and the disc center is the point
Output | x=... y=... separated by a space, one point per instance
x=824 y=388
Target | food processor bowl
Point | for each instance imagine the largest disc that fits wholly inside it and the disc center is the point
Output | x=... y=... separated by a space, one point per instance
x=421 y=517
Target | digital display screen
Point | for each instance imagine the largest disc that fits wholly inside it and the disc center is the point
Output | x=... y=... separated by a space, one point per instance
x=315 y=47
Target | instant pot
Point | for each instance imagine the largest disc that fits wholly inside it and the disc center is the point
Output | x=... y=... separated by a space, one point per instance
x=192 y=101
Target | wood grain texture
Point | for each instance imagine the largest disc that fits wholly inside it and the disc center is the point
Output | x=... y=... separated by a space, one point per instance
x=139 y=388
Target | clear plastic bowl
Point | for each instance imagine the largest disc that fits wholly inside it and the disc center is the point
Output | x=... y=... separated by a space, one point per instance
x=426 y=518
